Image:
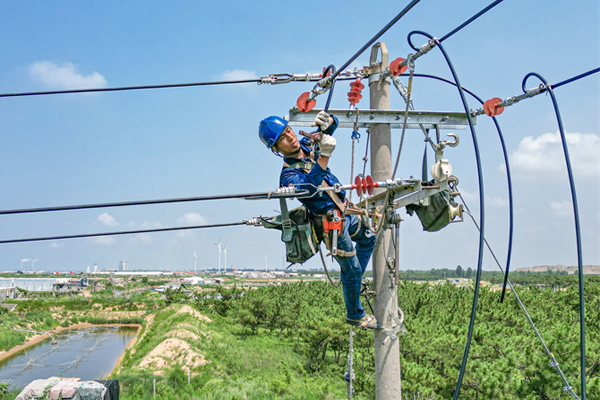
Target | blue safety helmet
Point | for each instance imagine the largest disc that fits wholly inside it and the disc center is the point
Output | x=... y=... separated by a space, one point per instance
x=270 y=129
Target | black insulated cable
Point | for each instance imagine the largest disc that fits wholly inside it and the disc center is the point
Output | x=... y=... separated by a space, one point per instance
x=481 y=204
x=126 y=88
x=473 y=18
x=248 y=196
x=89 y=235
x=377 y=36
x=508 y=177
x=573 y=79
x=576 y=217
x=330 y=68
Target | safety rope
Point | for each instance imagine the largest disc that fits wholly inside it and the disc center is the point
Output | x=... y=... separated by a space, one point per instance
x=349 y=376
x=355 y=137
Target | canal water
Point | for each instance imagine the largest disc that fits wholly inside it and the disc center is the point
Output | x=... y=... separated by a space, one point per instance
x=87 y=353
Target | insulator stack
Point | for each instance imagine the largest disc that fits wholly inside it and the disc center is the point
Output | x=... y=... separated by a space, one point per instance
x=354 y=95
x=395 y=68
x=490 y=107
x=304 y=104
x=364 y=185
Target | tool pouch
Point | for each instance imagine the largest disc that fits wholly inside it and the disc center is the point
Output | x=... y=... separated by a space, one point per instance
x=438 y=214
x=297 y=233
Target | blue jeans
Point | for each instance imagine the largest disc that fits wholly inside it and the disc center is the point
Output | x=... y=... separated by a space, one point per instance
x=353 y=268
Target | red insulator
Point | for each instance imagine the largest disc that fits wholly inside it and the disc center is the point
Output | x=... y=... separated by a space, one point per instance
x=304 y=104
x=490 y=107
x=364 y=185
x=354 y=95
x=395 y=67
x=357 y=185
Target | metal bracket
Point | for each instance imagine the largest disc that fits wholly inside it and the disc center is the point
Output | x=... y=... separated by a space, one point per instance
x=416 y=119
x=392 y=334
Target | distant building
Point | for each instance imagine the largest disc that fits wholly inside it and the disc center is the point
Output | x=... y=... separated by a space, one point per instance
x=122 y=266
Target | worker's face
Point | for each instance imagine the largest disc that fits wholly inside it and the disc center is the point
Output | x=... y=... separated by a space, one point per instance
x=288 y=143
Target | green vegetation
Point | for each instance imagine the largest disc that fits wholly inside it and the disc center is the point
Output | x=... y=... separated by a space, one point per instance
x=290 y=341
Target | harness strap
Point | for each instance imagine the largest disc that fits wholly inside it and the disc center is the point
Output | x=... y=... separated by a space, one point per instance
x=343 y=253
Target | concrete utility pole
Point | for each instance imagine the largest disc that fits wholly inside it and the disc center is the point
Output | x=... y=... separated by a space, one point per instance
x=387 y=352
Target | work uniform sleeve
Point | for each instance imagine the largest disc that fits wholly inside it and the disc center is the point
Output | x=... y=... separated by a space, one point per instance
x=301 y=180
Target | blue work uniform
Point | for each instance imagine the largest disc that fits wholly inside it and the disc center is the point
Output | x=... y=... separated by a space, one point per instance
x=353 y=267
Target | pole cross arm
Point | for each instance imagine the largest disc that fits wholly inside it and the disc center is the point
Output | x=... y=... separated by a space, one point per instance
x=416 y=119
x=409 y=192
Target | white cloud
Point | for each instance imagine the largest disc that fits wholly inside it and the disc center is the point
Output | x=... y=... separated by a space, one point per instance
x=543 y=156
x=107 y=240
x=107 y=219
x=564 y=209
x=56 y=245
x=64 y=76
x=191 y=219
x=238 y=75
x=142 y=238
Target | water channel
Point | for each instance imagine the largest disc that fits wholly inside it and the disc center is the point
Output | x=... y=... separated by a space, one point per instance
x=86 y=353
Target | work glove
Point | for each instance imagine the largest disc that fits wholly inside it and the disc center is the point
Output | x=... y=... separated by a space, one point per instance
x=327 y=145
x=323 y=121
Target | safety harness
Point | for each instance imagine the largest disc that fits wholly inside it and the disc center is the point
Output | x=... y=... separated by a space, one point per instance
x=333 y=221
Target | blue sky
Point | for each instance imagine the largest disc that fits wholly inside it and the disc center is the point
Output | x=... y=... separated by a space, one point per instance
x=72 y=149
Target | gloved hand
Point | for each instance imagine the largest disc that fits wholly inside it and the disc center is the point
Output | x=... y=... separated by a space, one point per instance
x=323 y=121
x=327 y=145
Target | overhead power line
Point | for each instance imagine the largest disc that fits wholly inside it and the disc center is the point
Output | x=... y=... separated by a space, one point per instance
x=89 y=235
x=273 y=194
x=125 y=88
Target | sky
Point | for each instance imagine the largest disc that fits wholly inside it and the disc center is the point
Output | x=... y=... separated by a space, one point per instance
x=168 y=143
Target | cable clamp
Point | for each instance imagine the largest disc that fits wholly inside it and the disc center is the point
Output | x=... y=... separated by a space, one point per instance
x=254 y=221
x=431 y=43
x=533 y=92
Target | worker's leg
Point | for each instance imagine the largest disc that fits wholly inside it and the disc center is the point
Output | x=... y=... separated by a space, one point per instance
x=364 y=238
x=351 y=275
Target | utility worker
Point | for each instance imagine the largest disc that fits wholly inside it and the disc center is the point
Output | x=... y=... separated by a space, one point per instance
x=301 y=170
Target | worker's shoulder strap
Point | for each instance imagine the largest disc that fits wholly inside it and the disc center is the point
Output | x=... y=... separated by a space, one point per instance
x=303 y=165
x=307 y=167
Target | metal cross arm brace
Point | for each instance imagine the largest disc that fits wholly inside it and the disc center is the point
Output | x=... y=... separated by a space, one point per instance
x=409 y=192
x=416 y=119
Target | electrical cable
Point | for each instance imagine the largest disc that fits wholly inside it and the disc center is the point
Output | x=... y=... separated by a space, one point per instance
x=553 y=363
x=508 y=176
x=473 y=18
x=573 y=79
x=127 y=88
x=89 y=235
x=330 y=68
x=374 y=38
x=481 y=205
x=249 y=196
x=576 y=217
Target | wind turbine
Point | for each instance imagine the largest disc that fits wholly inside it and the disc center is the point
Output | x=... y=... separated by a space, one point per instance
x=225 y=253
x=219 y=244
x=266 y=262
x=33 y=262
x=194 y=261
